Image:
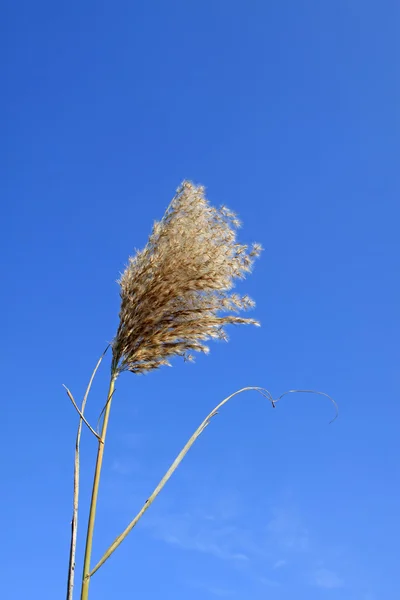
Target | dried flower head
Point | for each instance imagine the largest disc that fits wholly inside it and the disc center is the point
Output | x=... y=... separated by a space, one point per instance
x=174 y=290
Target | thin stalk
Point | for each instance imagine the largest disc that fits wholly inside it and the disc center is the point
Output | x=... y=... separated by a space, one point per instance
x=170 y=471
x=95 y=491
x=80 y=413
x=74 y=522
x=264 y=392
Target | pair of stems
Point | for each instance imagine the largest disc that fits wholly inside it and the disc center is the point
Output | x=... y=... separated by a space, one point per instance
x=74 y=522
x=87 y=571
x=96 y=481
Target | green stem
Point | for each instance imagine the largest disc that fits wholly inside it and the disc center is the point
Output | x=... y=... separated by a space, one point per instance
x=95 y=492
x=170 y=472
x=74 y=522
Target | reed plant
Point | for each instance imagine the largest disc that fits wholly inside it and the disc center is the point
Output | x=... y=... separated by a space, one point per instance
x=176 y=295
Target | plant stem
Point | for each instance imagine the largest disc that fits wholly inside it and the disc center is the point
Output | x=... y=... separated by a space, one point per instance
x=95 y=491
x=74 y=522
x=171 y=470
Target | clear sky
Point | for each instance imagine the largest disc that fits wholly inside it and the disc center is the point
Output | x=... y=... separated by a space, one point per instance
x=288 y=112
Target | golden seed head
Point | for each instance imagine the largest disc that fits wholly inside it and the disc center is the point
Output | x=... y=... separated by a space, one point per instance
x=175 y=293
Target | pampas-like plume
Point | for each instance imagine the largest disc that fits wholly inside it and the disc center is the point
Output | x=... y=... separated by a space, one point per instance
x=176 y=291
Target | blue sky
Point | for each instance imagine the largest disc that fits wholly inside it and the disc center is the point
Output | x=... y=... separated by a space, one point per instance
x=288 y=113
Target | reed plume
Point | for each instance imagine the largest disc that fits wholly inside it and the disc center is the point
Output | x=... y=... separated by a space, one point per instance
x=176 y=292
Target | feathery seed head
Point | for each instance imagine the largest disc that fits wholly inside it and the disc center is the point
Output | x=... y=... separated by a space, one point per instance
x=174 y=290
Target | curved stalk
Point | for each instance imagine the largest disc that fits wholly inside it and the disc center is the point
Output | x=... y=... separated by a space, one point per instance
x=264 y=392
